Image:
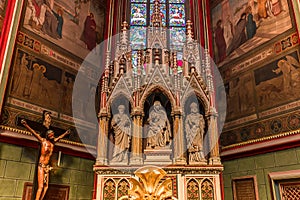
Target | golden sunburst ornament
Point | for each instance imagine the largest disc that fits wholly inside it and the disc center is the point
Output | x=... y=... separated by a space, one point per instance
x=149 y=186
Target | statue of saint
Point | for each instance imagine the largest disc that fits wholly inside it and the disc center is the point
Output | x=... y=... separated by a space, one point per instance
x=194 y=127
x=159 y=132
x=121 y=125
x=46 y=150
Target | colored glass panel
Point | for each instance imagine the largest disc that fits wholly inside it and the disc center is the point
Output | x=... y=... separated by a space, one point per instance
x=162 y=11
x=179 y=62
x=161 y=1
x=137 y=37
x=138 y=14
x=139 y=1
x=134 y=60
x=176 y=15
x=176 y=1
x=177 y=36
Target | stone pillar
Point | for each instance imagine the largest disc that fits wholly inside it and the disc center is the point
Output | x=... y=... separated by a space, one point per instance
x=178 y=138
x=102 y=140
x=213 y=138
x=136 y=139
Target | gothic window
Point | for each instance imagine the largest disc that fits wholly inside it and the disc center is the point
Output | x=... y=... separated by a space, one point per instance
x=173 y=17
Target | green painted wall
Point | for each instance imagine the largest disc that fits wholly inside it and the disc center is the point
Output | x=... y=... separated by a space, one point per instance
x=17 y=165
x=261 y=166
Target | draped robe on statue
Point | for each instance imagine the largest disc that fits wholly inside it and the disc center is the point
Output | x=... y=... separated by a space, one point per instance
x=122 y=127
x=159 y=132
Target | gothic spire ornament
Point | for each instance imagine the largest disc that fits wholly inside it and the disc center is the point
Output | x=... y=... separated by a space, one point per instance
x=156 y=17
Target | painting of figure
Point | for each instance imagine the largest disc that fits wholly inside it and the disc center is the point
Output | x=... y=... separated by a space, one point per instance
x=278 y=82
x=64 y=23
x=240 y=96
x=246 y=24
x=36 y=81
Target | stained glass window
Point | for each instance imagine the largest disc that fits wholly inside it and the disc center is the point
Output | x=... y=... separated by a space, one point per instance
x=173 y=17
x=177 y=15
x=138 y=14
x=162 y=11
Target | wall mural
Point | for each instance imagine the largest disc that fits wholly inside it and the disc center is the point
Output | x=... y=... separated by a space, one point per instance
x=3 y=4
x=57 y=20
x=278 y=82
x=240 y=96
x=242 y=25
x=39 y=82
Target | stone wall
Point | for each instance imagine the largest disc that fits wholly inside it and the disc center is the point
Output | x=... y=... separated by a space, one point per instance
x=260 y=166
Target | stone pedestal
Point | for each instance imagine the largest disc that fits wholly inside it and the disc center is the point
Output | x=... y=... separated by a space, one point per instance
x=158 y=157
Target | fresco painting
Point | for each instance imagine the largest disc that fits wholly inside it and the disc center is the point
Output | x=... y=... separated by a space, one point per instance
x=278 y=82
x=56 y=20
x=240 y=96
x=242 y=25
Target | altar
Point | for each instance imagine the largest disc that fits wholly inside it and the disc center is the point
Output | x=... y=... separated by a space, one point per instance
x=157 y=108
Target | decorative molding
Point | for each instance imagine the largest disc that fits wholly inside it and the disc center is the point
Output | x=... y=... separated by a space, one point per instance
x=18 y=133
x=38 y=47
x=119 y=170
x=261 y=145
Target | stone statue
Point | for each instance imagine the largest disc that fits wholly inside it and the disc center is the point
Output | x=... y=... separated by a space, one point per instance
x=121 y=125
x=47 y=146
x=159 y=132
x=194 y=127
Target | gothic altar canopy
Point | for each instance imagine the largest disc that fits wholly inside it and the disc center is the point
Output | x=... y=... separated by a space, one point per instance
x=157 y=108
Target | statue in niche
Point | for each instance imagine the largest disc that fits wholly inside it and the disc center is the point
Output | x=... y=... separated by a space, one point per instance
x=194 y=127
x=121 y=125
x=159 y=132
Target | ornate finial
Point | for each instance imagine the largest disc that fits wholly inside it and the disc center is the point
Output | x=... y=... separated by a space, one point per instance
x=174 y=57
x=123 y=36
x=189 y=30
x=156 y=17
x=156 y=57
x=122 y=64
x=124 y=26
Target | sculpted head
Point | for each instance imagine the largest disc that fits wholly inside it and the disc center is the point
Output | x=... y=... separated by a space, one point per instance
x=50 y=135
x=157 y=105
x=194 y=108
x=121 y=109
x=46 y=118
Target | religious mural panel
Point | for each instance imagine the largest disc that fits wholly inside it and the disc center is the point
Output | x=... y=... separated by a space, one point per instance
x=56 y=20
x=242 y=25
x=39 y=83
x=240 y=96
x=278 y=82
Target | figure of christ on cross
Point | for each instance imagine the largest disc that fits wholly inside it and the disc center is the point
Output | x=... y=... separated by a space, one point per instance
x=47 y=146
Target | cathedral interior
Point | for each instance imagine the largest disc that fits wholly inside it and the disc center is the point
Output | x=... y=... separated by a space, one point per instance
x=149 y=99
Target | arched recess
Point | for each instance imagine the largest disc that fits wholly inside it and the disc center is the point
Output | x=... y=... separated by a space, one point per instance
x=123 y=187
x=112 y=107
x=207 y=189
x=163 y=90
x=109 y=190
x=156 y=95
x=193 y=191
x=196 y=94
x=121 y=97
x=203 y=107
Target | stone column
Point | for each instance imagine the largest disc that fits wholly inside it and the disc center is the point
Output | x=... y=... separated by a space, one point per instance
x=102 y=140
x=213 y=138
x=136 y=139
x=178 y=139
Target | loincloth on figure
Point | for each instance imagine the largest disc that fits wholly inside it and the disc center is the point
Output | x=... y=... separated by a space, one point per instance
x=47 y=169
